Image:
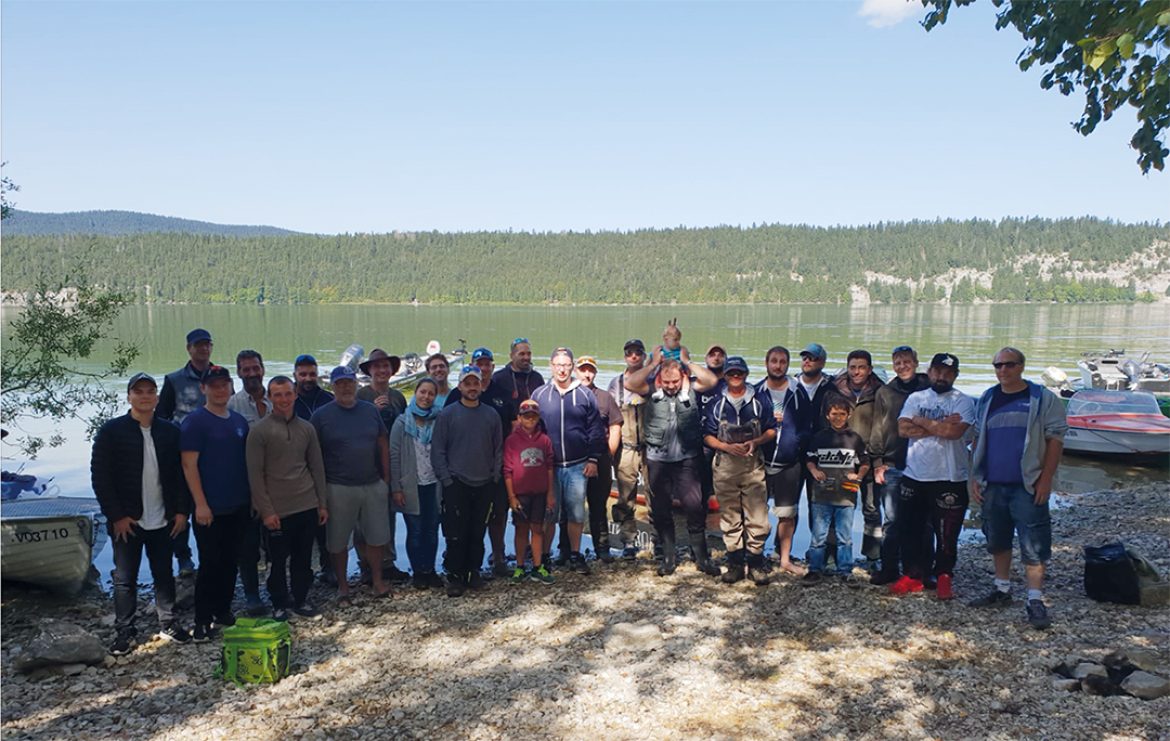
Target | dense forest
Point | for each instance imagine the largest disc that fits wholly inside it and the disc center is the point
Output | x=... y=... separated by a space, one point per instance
x=963 y=261
x=124 y=222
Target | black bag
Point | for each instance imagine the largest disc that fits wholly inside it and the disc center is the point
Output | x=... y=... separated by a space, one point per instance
x=1110 y=575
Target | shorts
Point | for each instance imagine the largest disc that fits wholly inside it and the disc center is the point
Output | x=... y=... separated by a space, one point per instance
x=532 y=509
x=1008 y=509
x=366 y=507
x=570 y=493
x=784 y=490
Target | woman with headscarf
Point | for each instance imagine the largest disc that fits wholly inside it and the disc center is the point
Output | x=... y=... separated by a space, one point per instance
x=413 y=483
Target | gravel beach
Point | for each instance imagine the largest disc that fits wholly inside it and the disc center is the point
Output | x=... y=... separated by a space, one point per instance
x=625 y=654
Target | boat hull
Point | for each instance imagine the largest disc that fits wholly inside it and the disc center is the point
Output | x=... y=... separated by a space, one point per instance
x=50 y=542
x=1116 y=442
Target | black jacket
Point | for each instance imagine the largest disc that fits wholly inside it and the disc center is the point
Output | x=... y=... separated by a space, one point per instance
x=116 y=468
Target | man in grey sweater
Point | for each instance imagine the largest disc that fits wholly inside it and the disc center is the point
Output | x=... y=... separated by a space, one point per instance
x=287 y=476
x=467 y=452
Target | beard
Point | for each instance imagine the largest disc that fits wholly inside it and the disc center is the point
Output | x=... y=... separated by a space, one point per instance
x=941 y=387
x=253 y=384
x=777 y=376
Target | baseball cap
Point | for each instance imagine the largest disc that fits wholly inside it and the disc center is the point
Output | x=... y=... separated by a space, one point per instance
x=134 y=379
x=944 y=360
x=715 y=347
x=588 y=360
x=735 y=363
x=340 y=373
x=482 y=352
x=529 y=406
x=304 y=359
x=816 y=350
x=470 y=370
x=634 y=344
x=214 y=373
x=198 y=335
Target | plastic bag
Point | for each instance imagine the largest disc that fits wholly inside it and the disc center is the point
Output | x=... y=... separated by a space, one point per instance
x=1110 y=575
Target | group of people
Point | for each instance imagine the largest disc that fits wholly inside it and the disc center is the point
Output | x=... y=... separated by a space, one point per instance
x=280 y=466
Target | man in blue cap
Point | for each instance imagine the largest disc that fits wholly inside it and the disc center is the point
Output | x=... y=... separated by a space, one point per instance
x=499 y=398
x=182 y=394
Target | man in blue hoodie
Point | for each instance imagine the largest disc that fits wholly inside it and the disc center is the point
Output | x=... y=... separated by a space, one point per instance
x=783 y=464
x=569 y=413
x=1020 y=430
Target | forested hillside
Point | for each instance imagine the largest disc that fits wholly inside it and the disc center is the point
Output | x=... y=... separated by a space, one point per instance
x=1009 y=260
x=123 y=222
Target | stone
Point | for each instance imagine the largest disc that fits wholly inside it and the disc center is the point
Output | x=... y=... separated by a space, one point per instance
x=633 y=637
x=1146 y=686
x=72 y=670
x=59 y=643
x=1066 y=685
x=1095 y=684
x=1086 y=668
x=1144 y=659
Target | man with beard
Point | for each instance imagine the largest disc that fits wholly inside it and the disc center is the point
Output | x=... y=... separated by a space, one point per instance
x=439 y=369
x=735 y=426
x=859 y=386
x=888 y=453
x=467 y=452
x=934 y=484
x=517 y=380
x=597 y=488
x=716 y=358
x=674 y=450
x=493 y=395
x=783 y=466
x=631 y=457
x=252 y=404
x=570 y=418
x=310 y=398
x=390 y=403
x=812 y=388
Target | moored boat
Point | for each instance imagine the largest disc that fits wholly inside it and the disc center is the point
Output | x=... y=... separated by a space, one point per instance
x=413 y=365
x=50 y=541
x=1116 y=423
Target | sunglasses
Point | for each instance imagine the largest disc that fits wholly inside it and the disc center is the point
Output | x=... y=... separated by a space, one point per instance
x=1005 y=364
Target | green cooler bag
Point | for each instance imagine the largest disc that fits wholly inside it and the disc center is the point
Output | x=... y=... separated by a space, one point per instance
x=255 y=651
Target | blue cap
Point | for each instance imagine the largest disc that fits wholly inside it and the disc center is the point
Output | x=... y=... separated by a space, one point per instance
x=198 y=335
x=815 y=350
x=735 y=363
x=340 y=373
x=482 y=352
x=470 y=370
x=305 y=359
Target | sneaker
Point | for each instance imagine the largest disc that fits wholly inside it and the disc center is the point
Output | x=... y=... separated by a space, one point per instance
x=395 y=575
x=605 y=555
x=205 y=632
x=629 y=553
x=1038 y=614
x=882 y=578
x=421 y=582
x=226 y=621
x=175 y=633
x=281 y=614
x=186 y=567
x=476 y=582
x=501 y=570
x=995 y=599
x=945 y=589
x=518 y=575
x=455 y=589
x=307 y=611
x=811 y=579
x=906 y=585
x=253 y=607
x=123 y=642
x=578 y=563
x=540 y=574
x=732 y=575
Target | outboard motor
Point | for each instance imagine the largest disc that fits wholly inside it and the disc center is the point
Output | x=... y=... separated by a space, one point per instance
x=352 y=357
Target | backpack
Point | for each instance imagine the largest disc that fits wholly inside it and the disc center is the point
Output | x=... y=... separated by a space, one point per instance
x=255 y=651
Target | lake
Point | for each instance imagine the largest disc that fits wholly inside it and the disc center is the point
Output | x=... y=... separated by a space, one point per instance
x=1050 y=335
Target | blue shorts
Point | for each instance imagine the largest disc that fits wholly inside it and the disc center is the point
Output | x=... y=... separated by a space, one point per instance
x=570 y=494
x=1009 y=509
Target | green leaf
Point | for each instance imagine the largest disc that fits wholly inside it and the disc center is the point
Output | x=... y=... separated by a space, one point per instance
x=1164 y=19
x=1125 y=45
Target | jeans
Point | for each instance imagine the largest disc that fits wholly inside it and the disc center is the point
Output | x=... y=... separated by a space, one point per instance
x=219 y=544
x=597 y=497
x=291 y=546
x=841 y=519
x=128 y=559
x=888 y=493
x=422 y=531
x=466 y=510
x=1008 y=508
x=570 y=493
x=871 y=515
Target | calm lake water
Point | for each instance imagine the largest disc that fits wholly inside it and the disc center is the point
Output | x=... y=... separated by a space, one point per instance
x=1049 y=335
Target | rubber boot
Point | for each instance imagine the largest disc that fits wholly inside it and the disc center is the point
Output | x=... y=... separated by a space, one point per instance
x=734 y=567
x=669 y=554
x=755 y=569
x=703 y=555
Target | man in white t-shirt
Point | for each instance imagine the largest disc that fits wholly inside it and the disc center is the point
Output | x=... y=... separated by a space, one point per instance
x=933 y=492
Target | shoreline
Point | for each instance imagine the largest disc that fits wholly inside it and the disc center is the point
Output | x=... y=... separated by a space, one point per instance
x=624 y=653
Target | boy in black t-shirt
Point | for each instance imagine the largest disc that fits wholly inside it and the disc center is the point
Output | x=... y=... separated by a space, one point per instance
x=837 y=463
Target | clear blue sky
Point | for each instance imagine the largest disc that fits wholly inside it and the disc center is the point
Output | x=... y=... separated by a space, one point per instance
x=379 y=116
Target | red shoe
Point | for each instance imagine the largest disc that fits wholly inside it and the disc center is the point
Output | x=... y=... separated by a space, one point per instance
x=945 y=592
x=905 y=585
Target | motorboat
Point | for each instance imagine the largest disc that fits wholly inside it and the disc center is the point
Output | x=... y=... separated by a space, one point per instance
x=1110 y=371
x=1116 y=423
x=412 y=368
x=48 y=540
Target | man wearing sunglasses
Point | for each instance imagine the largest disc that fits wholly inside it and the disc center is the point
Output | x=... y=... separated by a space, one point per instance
x=518 y=379
x=631 y=462
x=1020 y=430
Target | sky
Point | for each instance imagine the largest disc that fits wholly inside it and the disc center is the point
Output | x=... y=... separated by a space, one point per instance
x=545 y=116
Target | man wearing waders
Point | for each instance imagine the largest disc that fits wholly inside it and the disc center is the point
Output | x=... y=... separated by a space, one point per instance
x=631 y=463
x=737 y=423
